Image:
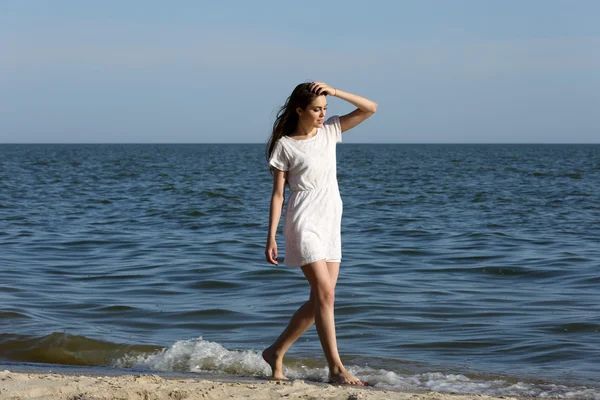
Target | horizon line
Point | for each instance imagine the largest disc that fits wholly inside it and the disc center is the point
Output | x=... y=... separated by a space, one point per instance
x=256 y=143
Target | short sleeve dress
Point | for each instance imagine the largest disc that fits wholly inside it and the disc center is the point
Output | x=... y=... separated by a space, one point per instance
x=312 y=223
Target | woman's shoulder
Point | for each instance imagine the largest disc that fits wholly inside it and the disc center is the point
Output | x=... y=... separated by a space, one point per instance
x=333 y=127
x=333 y=123
x=283 y=144
x=332 y=120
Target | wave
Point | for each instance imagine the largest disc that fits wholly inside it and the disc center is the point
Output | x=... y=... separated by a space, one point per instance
x=66 y=349
x=202 y=356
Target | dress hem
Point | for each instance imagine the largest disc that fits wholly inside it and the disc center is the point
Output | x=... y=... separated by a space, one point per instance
x=338 y=260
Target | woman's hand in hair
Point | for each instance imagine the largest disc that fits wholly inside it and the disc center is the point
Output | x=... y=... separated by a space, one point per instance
x=321 y=88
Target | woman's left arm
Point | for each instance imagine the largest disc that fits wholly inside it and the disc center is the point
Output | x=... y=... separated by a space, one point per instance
x=365 y=107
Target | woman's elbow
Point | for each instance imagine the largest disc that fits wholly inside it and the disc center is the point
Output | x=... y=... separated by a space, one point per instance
x=277 y=197
x=373 y=109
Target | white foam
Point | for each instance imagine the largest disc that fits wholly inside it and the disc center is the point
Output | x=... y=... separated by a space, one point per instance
x=436 y=381
x=198 y=355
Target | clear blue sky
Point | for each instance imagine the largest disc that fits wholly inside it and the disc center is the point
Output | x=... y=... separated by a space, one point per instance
x=459 y=71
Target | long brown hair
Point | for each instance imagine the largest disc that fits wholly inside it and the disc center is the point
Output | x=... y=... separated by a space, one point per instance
x=287 y=117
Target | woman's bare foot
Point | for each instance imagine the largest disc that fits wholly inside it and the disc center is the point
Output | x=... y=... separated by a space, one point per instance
x=343 y=377
x=276 y=363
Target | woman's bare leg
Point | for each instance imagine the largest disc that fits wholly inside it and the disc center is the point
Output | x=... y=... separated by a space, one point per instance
x=300 y=322
x=302 y=319
x=324 y=296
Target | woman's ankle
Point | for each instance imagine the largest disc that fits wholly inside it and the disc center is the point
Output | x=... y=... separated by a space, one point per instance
x=274 y=351
x=336 y=369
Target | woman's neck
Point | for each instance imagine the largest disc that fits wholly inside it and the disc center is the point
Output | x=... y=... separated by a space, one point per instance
x=304 y=131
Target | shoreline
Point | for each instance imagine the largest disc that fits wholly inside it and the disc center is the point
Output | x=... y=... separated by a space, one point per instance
x=97 y=386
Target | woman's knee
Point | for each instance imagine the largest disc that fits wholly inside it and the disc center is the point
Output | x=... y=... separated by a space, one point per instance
x=325 y=295
x=322 y=286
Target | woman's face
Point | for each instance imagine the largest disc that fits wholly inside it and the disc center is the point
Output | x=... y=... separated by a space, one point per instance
x=314 y=114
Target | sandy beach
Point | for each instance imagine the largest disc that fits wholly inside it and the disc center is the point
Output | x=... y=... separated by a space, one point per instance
x=17 y=385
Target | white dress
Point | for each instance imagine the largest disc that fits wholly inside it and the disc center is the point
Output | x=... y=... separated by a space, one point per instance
x=312 y=224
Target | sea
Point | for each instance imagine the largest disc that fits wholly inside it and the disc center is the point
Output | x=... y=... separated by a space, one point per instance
x=467 y=268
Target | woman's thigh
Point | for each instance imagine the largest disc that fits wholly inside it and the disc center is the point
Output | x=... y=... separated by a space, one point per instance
x=321 y=275
x=334 y=271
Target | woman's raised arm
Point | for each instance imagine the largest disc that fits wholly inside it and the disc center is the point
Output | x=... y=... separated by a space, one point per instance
x=365 y=107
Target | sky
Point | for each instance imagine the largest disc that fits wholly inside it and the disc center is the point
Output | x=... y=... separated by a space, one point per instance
x=144 y=71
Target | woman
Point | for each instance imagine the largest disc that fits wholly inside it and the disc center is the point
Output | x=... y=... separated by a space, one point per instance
x=301 y=152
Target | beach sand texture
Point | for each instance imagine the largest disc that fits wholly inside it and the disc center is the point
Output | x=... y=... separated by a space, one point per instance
x=15 y=385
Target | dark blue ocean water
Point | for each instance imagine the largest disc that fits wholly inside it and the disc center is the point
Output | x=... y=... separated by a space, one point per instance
x=466 y=268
